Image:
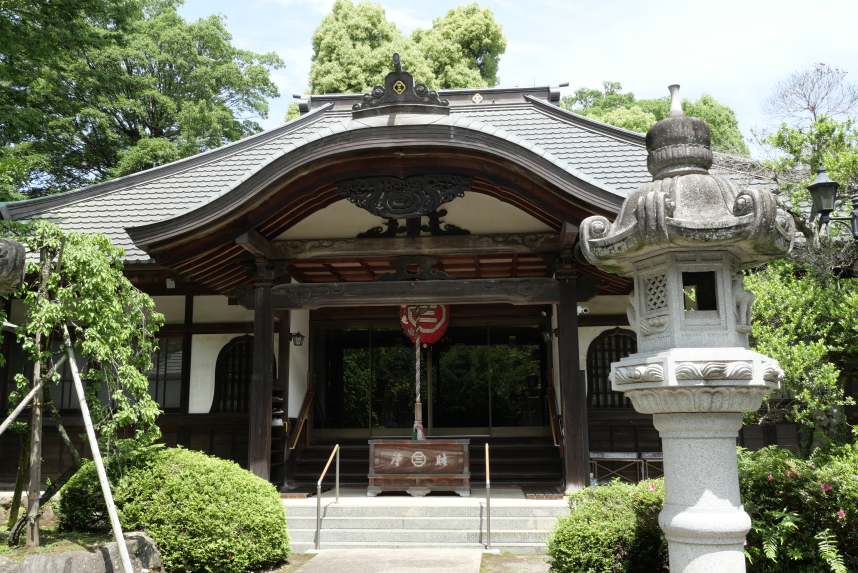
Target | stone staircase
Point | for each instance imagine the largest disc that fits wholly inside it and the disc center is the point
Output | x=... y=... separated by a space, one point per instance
x=519 y=526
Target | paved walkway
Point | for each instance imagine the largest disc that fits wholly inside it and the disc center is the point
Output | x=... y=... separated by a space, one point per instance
x=394 y=561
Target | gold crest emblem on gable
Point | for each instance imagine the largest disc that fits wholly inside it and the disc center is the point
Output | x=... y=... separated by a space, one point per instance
x=399 y=87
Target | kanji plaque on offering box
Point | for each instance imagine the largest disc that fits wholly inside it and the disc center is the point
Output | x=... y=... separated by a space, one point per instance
x=419 y=466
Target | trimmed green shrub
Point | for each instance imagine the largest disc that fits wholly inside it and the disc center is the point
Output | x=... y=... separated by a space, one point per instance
x=204 y=514
x=612 y=528
x=804 y=512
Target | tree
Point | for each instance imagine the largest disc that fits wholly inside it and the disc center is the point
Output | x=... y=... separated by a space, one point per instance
x=463 y=47
x=78 y=284
x=804 y=318
x=134 y=92
x=612 y=106
x=817 y=128
x=806 y=305
x=353 y=46
x=808 y=94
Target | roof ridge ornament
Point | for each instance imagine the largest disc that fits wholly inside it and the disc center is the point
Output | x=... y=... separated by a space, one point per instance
x=400 y=94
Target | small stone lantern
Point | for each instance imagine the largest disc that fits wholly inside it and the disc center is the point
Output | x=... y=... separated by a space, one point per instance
x=685 y=238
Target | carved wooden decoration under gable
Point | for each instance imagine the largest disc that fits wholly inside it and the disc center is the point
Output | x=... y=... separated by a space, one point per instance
x=397 y=198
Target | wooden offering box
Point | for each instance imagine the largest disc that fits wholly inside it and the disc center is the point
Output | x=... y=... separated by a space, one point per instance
x=419 y=466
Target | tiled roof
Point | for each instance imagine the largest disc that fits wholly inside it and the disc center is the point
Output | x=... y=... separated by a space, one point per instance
x=616 y=160
x=610 y=158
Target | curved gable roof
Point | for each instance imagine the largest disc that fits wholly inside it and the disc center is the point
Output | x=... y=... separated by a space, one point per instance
x=607 y=161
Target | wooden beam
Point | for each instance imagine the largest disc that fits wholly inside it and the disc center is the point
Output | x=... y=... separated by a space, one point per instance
x=573 y=391
x=568 y=234
x=255 y=243
x=399 y=246
x=483 y=291
x=259 y=439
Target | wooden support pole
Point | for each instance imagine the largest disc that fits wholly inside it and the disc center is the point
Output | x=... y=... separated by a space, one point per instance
x=573 y=392
x=96 y=456
x=283 y=354
x=259 y=447
x=34 y=490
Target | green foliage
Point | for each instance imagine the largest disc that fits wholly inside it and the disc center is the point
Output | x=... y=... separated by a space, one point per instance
x=114 y=325
x=800 y=151
x=610 y=529
x=463 y=47
x=353 y=46
x=805 y=320
x=204 y=514
x=139 y=88
x=804 y=511
x=610 y=105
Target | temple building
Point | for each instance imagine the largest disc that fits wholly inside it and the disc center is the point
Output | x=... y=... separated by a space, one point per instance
x=281 y=263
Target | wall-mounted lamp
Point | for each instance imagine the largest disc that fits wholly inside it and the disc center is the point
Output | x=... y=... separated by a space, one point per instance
x=547 y=335
x=297 y=338
x=171 y=282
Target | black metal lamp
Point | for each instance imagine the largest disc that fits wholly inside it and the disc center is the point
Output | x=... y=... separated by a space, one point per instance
x=297 y=338
x=823 y=191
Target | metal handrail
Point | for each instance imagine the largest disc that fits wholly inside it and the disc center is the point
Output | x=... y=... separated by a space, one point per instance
x=488 y=503
x=319 y=493
x=551 y=414
x=302 y=419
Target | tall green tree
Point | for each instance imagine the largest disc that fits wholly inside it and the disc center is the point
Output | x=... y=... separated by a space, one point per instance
x=134 y=87
x=78 y=284
x=610 y=105
x=353 y=46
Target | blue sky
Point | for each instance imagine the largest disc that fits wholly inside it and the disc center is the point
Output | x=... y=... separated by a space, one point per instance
x=736 y=50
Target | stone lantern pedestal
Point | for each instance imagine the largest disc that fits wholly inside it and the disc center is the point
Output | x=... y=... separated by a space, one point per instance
x=685 y=239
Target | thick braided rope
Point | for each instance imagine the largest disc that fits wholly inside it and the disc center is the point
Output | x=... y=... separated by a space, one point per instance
x=417 y=361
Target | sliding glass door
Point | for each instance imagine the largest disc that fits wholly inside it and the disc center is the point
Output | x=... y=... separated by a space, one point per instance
x=479 y=379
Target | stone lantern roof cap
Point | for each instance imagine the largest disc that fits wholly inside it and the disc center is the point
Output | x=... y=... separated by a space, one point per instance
x=685 y=208
x=678 y=144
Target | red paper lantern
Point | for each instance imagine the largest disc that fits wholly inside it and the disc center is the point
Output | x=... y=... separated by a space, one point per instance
x=432 y=323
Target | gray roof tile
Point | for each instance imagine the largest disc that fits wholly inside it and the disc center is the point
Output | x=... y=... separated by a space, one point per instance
x=618 y=164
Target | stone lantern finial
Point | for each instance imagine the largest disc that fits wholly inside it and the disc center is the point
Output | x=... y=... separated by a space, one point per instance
x=678 y=144
x=685 y=238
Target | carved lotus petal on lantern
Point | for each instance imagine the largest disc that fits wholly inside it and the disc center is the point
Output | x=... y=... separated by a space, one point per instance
x=643 y=373
x=714 y=371
x=698 y=399
x=772 y=372
x=687 y=207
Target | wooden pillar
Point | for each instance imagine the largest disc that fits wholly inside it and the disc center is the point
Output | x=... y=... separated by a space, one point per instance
x=283 y=349
x=573 y=391
x=259 y=447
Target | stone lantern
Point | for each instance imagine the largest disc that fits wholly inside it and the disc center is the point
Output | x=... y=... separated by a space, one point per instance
x=685 y=238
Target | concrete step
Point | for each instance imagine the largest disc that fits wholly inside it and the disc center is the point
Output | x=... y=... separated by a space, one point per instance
x=393 y=511
x=419 y=523
x=515 y=548
x=440 y=536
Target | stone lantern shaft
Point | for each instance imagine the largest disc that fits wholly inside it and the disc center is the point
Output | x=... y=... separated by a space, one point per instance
x=685 y=239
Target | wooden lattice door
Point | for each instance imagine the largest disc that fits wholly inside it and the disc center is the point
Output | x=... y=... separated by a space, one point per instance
x=608 y=347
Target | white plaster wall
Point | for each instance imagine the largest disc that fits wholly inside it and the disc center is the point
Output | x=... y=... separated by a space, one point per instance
x=204 y=351
x=299 y=362
x=611 y=304
x=216 y=308
x=481 y=214
x=478 y=213
x=172 y=307
x=342 y=220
